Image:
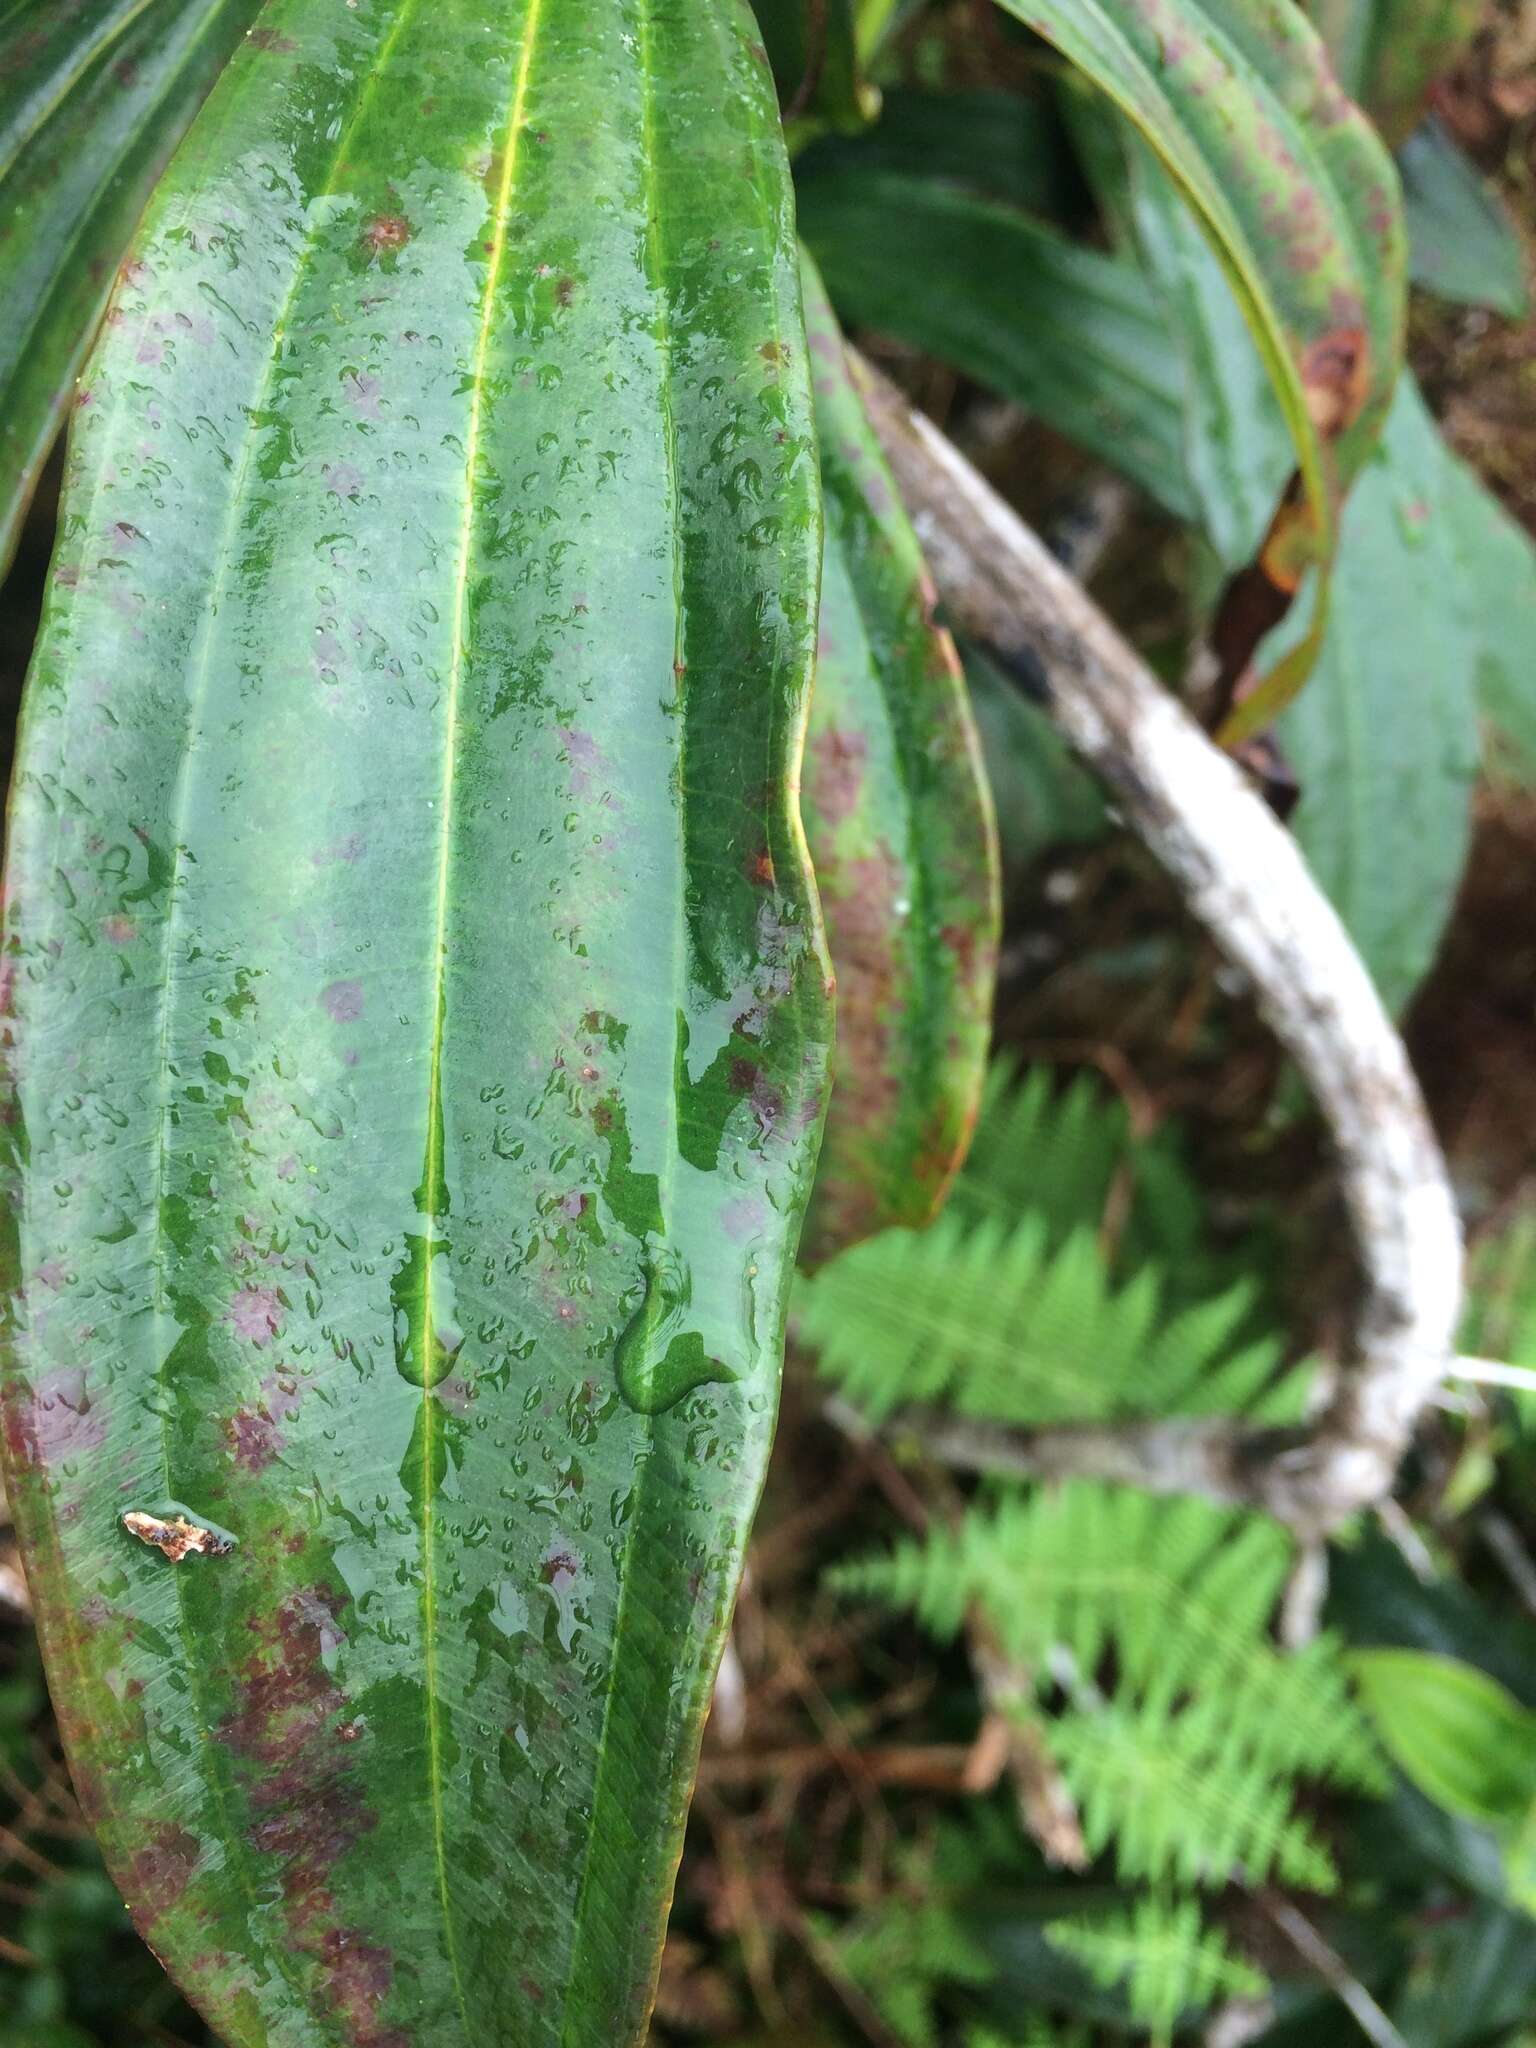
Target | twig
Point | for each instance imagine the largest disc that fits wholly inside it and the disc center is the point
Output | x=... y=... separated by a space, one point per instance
x=1306 y=1592
x=1047 y=1810
x=1244 y=878
x=935 y=1767
x=1397 y=1527
x=1333 y=1970
x=1503 y=1539
x=1489 y=1372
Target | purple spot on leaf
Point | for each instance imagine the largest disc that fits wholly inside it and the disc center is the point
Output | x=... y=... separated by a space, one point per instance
x=343 y=1001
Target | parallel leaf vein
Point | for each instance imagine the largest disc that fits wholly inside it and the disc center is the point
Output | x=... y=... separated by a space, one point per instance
x=195 y=1657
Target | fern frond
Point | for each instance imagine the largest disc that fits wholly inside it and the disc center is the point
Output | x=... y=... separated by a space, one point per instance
x=1179 y=1591
x=1178 y=1803
x=903 y=1958
x=998 y=1321
x=1058 y=1152
x=1168 y=1959
x=1043 y=1151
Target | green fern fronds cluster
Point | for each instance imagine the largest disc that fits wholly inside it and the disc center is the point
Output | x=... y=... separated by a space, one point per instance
x=1143 y=1626
x=1161 y=1947
x=1065 y=1155
x=1177 y=1801
x=905 y=1961
x=1177 y=1594
x=912 y=1952
x=1188 y=1772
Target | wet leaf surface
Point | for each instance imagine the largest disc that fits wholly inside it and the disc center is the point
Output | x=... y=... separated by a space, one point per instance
x=418 y=1012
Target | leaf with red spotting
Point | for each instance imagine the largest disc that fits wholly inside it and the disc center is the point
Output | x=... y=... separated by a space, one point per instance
x=1300 y=200
x=418 y=1011
x=900 y=827
x=94 y=96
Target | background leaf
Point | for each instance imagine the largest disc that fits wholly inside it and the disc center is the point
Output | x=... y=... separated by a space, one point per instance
x=97 y=94
x=1064 y=331
x=1460 y=1737
x=1237 y=452
x=900 y=828
x=409 y=925
x=1496 y=560
x=1462 y=242
x=1384 y=742
x=812 y=46
x=995 y=144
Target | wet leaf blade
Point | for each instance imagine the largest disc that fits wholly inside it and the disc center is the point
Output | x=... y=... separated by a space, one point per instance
x=97 y=94
x=407 y=875
x=899 y=823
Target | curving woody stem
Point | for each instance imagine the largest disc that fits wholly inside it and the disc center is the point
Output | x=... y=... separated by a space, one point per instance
x=1244 y=878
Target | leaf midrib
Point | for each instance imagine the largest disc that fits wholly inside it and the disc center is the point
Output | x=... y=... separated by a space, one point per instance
x=655 y=269
x=433 y=1176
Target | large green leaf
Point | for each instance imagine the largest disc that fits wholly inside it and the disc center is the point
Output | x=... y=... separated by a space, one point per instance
x=1384 y=742
x=1067 y=332
x=94 y=95
x=420 y=1012
x=900 y=828
x=1299 y=198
